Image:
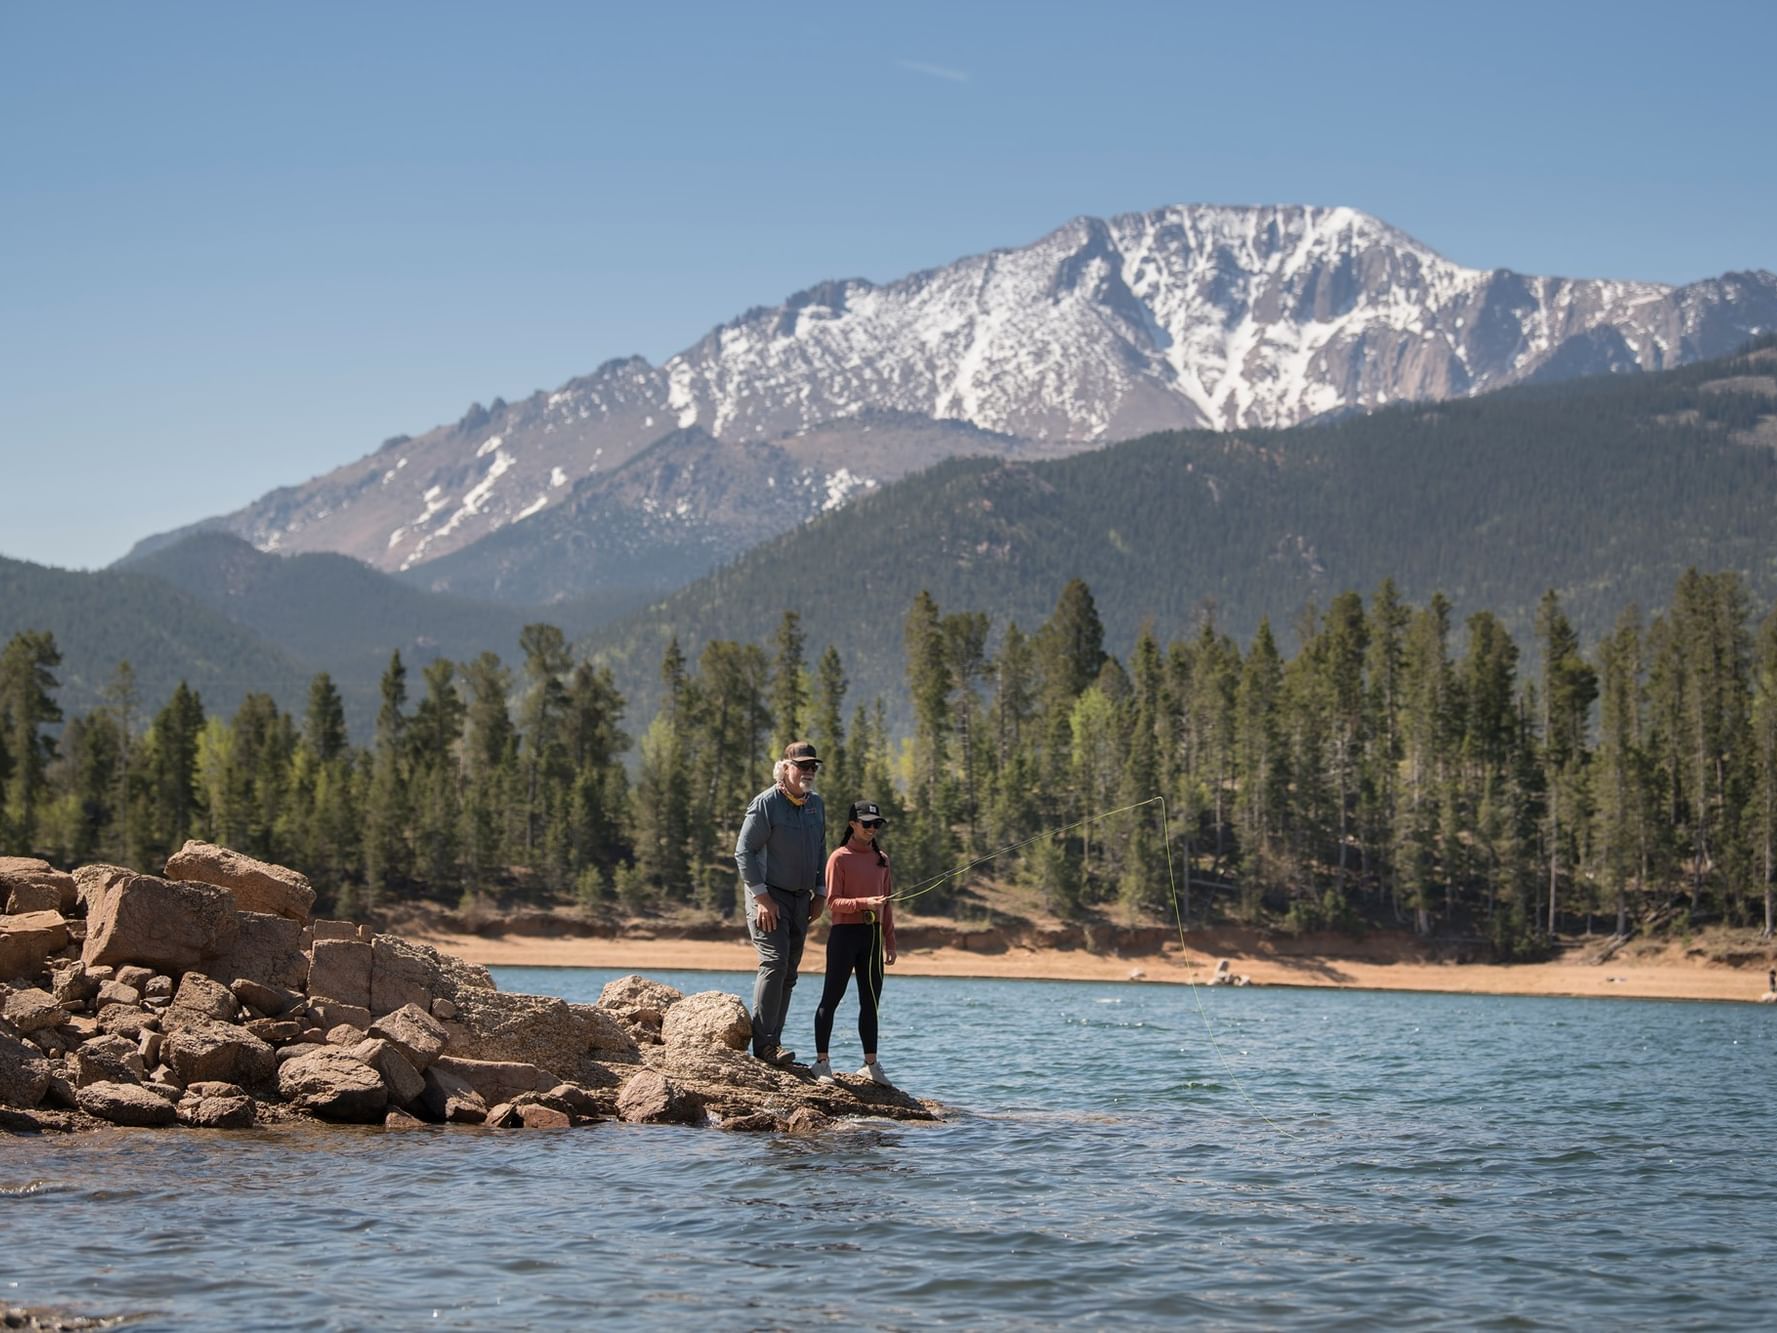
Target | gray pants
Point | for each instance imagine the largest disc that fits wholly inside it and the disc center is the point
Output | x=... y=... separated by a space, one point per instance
x=780 y=954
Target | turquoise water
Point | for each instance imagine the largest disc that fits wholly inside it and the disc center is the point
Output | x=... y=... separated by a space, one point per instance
x=1330 y=1159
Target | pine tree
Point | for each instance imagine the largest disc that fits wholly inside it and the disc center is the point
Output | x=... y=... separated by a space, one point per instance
x=595 y=742
x=436 y=733
x=543 y=759
x=1260 y=767
x=789 y=688
x=1622 y=781
x=121 y=702
x=324 y=723
x=927 y=848
x=965 y=658
x=1569 y=687
x=174 y=800
x=27 y=706
x=1427 y=689
x=1763 y=726
x=490 y=753
x=731 y=724
x=388 y=809
x=826 y=731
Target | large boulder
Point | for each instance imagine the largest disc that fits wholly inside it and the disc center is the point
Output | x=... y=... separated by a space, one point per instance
x=109 y=1058
x=201 y=1049
x=272 y=1001
x=91 y=880
x=652 y=1098
x=415 y=1033
x=339 y=970
x=72 y=984
x=710 y=1018
x=638 y=992
x=267 y=949
x=215 y=1106
x=404 y=1082
x=450 y=1098
x=606 y=1037
x=167 y=926
x=496 y=1081
x=257 y=886
x=31 y=1010
x=406 y=973
x=536 y=1029
x=200 y=995
x=24 y=1073
x=126 y=1104
x=128 y=1020
x=27 y=939
x=335 y=1085
x=30 y=885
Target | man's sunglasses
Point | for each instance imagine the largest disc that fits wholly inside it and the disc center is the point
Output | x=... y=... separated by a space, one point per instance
x=871 y=823
x=807 y=765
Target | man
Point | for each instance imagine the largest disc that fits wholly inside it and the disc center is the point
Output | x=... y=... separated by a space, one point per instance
x=782 y=855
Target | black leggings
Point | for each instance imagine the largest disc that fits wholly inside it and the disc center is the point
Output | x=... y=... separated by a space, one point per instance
x=851 y=949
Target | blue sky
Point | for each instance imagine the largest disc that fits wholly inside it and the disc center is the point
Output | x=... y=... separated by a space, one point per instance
x=242 y=244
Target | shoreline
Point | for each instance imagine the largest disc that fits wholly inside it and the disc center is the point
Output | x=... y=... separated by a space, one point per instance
x=1665 y=973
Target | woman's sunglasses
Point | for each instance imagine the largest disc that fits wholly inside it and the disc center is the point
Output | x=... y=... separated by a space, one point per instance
x=871 y=823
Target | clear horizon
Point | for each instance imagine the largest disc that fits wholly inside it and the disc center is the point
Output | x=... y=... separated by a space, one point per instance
x=245 y=246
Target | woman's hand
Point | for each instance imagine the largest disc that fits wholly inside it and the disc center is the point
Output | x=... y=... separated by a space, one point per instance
x=889 y=958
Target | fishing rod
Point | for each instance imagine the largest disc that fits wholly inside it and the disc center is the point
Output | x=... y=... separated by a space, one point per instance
x=926 y=886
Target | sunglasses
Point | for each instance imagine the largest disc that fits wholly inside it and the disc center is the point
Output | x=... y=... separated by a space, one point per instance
x=807 y=765
x=871 y=823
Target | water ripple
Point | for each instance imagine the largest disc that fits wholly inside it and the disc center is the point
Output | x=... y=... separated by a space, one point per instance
x=1280 y=1158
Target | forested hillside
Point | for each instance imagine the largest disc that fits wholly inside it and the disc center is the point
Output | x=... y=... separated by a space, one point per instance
x=106 y=617
x=1401 y=767
x=1605 y=490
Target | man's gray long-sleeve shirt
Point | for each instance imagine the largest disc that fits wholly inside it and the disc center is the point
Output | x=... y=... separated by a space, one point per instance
x=783 y=845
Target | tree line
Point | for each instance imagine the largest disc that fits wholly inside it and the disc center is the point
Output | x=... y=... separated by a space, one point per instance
x=1398 y=768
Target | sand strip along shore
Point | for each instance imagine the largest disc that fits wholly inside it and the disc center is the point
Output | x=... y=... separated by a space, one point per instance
x=1667 y=977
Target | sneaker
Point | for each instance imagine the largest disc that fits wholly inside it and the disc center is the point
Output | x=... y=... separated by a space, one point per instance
x=822 y=1071
x=873 y=1072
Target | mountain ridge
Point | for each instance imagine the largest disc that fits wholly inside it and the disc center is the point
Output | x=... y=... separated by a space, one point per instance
x=1180 y=317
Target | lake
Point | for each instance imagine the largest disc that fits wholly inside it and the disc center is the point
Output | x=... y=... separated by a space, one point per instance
x=1128 y=1155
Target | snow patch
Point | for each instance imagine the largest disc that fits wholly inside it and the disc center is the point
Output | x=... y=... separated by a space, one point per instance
x=842 y=485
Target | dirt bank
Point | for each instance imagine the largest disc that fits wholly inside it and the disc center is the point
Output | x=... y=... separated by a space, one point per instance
x=1705 y=969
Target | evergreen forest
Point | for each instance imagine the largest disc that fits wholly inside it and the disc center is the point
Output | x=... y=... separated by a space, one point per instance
x=1398 y=769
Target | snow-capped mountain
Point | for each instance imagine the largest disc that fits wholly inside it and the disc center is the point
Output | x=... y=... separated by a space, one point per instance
x=1190 y=316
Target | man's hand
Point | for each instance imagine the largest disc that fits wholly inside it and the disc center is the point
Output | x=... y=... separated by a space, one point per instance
x=889 y=958
x=765 y=912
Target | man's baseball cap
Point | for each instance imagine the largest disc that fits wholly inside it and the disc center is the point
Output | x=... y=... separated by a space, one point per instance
x=801 y=752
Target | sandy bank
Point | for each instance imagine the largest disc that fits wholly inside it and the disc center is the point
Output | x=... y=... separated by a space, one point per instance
x=1656 y=972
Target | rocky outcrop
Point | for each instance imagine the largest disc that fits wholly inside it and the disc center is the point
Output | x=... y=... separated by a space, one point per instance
x=255 y=885
x=127 y=1104
x=710 y=1019
x=335 y=1085
x=27 y=939
x=142 y=1001
x=30 y=885
x=158 y=924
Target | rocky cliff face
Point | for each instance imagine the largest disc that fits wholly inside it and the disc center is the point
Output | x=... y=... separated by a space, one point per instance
x=1104 y=329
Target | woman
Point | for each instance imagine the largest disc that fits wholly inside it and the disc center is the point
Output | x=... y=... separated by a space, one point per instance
x=861 y=939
